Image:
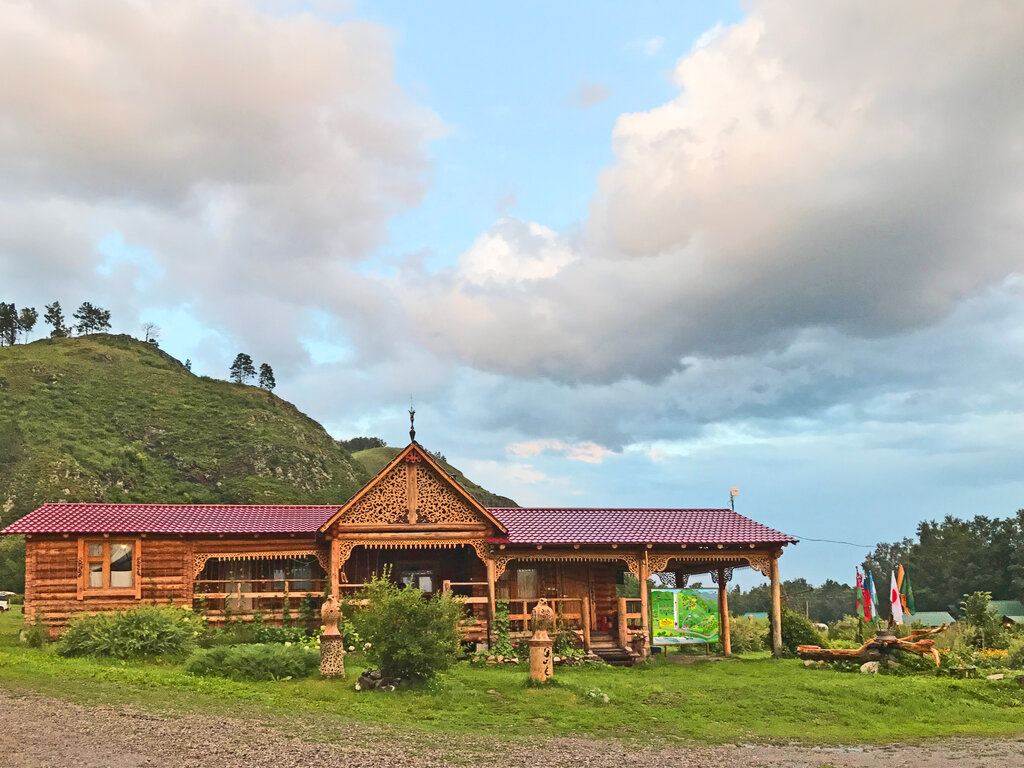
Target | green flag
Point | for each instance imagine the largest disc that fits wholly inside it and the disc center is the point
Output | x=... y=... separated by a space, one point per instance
x=906 y=593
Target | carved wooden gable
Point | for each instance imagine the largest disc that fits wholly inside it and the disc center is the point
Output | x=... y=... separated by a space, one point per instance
x=412 y=491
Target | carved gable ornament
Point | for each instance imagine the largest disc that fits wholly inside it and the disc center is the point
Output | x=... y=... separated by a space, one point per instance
x=412 y=490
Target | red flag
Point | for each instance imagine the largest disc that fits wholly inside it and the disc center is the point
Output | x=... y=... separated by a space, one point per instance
x=862 y=604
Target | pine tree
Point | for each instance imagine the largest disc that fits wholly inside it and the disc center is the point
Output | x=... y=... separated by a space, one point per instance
x=8 y=324
x=267 y=377
x=92 y=319
x=55 y=317
x=27 y=320
x=242 y=369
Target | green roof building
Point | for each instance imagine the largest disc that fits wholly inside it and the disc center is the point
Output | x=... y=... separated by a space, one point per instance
x=1010 y=611
x=930 y=618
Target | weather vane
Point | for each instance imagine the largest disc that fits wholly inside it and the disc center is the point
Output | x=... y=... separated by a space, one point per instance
x=412 y=423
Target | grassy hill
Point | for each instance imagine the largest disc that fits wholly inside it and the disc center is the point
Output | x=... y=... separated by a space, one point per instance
x=111 y=418
x=375 y=459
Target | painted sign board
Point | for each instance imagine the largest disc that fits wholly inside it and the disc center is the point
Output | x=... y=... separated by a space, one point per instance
x=684 y=616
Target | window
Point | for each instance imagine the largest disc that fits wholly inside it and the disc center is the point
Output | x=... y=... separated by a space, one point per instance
x=526 y=583
x=110 y=566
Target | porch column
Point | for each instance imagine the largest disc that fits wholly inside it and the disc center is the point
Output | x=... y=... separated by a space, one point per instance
x=335 y=567
x=723 y=612
x=645 y=611
x=776 y=617
x=490 y=597
x=585 y=618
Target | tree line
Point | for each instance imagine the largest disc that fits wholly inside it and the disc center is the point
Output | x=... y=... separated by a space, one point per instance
x=15 y=322
x=947 y=561
x=953 y=557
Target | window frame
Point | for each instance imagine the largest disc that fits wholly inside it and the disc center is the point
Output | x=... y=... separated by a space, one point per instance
x=85 y=559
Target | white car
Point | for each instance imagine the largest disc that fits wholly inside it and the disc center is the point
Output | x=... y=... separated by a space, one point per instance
x=5 y=601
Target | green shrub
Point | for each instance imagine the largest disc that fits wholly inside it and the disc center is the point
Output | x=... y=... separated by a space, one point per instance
x=406 y=635
x=796 y=630
x=747 y=636
x=307 y=613
x=239 y=633
x=986 y=628
x=502 y=644
x=137 y=633
x=851 y=629
x=35 y=635
x=267 y=661
x=1015 y=654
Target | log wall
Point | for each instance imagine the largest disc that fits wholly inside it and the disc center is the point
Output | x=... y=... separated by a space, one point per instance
x=166 y=572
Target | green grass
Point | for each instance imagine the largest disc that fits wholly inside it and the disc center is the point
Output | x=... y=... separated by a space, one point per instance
x=750 y=700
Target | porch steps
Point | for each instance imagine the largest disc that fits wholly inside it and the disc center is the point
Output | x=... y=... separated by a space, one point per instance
x=602 y=644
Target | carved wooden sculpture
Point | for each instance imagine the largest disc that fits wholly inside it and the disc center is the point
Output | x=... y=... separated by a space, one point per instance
x=883 y=644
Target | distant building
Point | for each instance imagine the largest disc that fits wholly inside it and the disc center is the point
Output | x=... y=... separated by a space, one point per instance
x=931 y=618
x=1010 y=611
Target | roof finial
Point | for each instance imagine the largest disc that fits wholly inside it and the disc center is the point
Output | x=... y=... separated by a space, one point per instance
x=412 y=423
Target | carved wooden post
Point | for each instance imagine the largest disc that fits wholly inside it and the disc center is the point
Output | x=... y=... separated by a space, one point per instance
x=332 y=644
x=541 y=654
x=334 y=576
x=776 y=617
x=645 y=610
x=491 y=607
x=723 y=612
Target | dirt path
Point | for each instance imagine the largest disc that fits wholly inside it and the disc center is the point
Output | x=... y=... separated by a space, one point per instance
x=40 y=732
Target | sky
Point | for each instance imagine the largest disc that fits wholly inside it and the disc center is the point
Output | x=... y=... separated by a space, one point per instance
x=615 y=254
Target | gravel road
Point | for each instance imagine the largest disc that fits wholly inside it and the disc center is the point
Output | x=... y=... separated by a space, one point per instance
x=41 y=732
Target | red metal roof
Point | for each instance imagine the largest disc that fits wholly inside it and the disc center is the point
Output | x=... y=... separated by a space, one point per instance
x=542 y=525
x=172 y=518
x=525 y=525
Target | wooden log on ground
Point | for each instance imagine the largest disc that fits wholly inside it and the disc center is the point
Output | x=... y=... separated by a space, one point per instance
x=878 y=647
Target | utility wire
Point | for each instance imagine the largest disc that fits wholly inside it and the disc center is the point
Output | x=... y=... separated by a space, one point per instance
x=833 y=541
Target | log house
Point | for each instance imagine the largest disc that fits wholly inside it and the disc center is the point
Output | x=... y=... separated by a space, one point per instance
x=413 y=521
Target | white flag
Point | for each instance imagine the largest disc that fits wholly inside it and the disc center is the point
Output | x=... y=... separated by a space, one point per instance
x=894 y=600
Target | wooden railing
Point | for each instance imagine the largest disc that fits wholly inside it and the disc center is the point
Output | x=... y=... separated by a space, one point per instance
x=243 y=597
x=268 y=595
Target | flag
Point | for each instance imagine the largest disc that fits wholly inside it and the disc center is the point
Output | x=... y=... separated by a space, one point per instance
x=861 y=607
x=862 y=584
x=896 y=606
x=906 y=592
x=874 y=594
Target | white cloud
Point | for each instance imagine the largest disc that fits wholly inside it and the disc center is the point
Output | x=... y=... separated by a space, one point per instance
x=513 y=252
x=256 y=157
x=849 y=166
x=650 y=46
x=586 y=451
